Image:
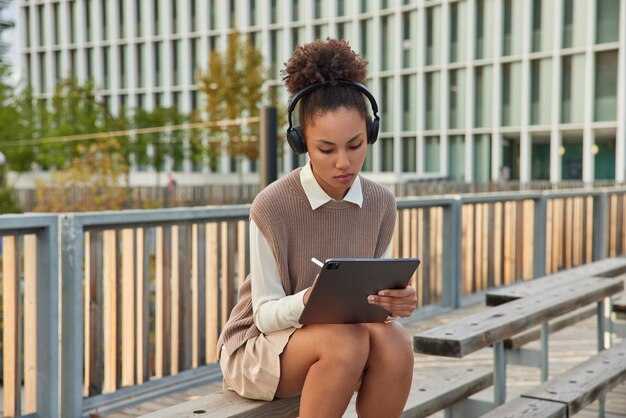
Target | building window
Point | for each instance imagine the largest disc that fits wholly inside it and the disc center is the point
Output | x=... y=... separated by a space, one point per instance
x=42 y=72
x=365 y=27
x=41 y=19
x=535 y=84
x=607 y=21
x=57 y=66
x=606 y=86
x=104 y=18
x=572 y=97
x=232 y=13
x=454 y=32
x=193 y=19
x=432 y=100
x=478 y=97
x=480 y=29
x=365 y=6
x=156 y=17
x=453 y=100
x=387 y=39
x=122 y=63
x=138 y=19
x=73 y=63
x=430 y=35
x=456 y=157
x=26 y=33
x=408 y=39
x=106 y=78
x=88 y=25
x=295 y=10
x=55 y=22
x=386 y=150
x=121 y=18
x=139 y=59
x=431 y=154
x=386 y=104
x=175 y=19
x=176 y=58
x=317 y=9
x=409 y=96
x=409 y=155
x=211 y=9
x=341 y=7
x=72 y=21
x=273 y=11
x=158 y=74
x=568 y=23
x=89 y=61
x=252 y=12
x=194 y=45
x=536 y=36
x=507 y=27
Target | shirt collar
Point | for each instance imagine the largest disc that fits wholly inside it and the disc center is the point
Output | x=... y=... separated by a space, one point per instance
x=318 y=197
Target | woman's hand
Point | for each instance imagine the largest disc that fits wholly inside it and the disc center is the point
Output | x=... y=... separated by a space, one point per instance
x=399 y=302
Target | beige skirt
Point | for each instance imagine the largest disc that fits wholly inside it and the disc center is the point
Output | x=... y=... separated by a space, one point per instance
x=253 y=371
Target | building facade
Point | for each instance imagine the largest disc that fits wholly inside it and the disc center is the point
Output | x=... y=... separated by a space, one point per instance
x=467 y=89
x=5 y=23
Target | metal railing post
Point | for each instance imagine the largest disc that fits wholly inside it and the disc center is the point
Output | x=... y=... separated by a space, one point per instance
x=48 y=320
x=599 y=226
x=539 y=238
x=71 y=313
x=452 y=254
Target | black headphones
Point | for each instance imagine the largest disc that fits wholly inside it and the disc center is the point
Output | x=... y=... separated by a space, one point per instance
x=295 y=134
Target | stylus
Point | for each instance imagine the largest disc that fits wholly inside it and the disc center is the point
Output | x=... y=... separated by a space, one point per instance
x=318 y=262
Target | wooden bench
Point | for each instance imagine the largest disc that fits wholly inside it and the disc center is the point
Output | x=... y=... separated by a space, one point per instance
x=608 y=267
x=494 y=325
x=428 y=395
x=568 y=393
x=516 y=353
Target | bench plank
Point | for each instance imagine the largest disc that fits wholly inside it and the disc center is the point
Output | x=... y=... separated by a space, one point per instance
x=228 y=404
x=609 y=267
x=471 y=333
x=519 y=340
x=583 y=384
x=619 y=304
x=528 y=408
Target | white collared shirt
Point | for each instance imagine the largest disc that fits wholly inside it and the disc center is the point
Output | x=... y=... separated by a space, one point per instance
x=273 y=309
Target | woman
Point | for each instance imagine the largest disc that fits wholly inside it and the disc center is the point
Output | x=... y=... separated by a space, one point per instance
x=322 y=210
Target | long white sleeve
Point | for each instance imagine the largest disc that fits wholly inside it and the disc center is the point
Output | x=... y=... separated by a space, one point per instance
x=273 y=309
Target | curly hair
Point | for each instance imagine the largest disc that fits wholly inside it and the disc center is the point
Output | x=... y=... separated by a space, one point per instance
x=324 y=62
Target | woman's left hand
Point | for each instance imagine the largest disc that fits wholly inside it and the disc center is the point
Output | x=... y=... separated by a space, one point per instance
x=399 y=302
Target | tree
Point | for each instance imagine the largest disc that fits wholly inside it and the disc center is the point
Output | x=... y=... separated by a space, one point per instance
x=93 y=180
x=233 y=88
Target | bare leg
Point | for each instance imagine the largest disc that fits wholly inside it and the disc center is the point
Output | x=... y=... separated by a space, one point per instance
x=389 y=372
x=324 y=363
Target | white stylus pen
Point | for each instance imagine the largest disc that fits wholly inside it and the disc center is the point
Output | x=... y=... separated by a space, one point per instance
x=318 y=262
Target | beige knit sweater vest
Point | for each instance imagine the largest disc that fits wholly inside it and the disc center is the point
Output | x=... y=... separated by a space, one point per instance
x=296 y=233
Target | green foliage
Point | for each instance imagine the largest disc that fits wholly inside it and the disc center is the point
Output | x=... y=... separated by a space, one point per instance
x=8 y=203
x=98 y=174
x=233 y=88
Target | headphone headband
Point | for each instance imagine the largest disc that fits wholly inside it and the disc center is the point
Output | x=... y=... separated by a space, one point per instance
x=295 y=135
x=306 y=90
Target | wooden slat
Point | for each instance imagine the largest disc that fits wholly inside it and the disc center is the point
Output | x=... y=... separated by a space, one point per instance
x=11 y=336
x=528 y=408
x=163 y=297
x=427 y=264
x=498 y=244
x=128 y=307
x=94 y=357
x=580 y=386
x=196 y=329
x=184 y=249
x=142 y=306
x=175 y=306
x=228 y=269
x=212 y=291
x=110 y=311
x=484 y=328
x=30 y=318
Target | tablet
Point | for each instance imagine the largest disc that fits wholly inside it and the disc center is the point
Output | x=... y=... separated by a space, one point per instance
x=340 y=293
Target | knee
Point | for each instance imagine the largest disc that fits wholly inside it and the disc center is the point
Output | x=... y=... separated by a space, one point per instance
x=347 y=344
x=391 y=345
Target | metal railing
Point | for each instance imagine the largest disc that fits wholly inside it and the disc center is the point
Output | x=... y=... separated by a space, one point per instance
x=144 y=294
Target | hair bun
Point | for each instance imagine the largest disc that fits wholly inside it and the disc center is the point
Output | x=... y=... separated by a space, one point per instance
x=323 y=62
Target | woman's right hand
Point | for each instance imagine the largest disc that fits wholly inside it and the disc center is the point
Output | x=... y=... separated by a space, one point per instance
x=305 y=298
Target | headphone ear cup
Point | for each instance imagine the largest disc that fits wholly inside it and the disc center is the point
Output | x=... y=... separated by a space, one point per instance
x=372 y=130
x=295 y=138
